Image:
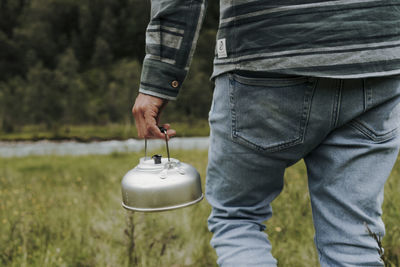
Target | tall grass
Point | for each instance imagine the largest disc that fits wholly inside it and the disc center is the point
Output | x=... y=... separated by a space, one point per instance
x=66 y=211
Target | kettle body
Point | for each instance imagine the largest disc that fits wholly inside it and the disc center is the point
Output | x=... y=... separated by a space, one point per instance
x=159 y=184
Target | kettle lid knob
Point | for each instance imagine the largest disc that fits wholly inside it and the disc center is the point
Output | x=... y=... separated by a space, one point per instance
x=157 y=158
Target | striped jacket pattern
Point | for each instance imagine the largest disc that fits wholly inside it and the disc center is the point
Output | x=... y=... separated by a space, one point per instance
x=336 y=39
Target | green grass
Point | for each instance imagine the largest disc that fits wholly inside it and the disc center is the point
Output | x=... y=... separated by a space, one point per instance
x=66 y=211
x=98 y=132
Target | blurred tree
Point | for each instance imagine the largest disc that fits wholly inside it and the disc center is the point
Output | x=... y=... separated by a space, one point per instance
x=35 y=34
x=122 y=88
x=102 y=55
x=107 y=26
x=12 y=109
x=10 y=10
x=44 y=97
x=71 y=88
x=10 y=58
x=134 y=21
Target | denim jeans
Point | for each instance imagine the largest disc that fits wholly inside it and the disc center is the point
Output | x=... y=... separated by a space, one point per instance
x=345 y=130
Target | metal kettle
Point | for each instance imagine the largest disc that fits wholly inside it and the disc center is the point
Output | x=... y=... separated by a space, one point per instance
x=159 y=184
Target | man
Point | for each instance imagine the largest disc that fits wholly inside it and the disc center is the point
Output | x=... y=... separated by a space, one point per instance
x=308 y=79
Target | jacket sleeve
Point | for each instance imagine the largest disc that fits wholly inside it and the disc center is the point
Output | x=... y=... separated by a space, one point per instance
x=171 y=38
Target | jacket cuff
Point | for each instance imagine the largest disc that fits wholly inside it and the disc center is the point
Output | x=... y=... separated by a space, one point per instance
x=161 y=79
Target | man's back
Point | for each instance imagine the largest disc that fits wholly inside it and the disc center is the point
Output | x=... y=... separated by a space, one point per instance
x=336 y=39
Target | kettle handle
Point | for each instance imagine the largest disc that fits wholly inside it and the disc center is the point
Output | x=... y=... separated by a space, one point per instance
x=164 y=131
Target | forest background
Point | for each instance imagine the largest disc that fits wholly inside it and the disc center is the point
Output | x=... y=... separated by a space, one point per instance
x=78 y=62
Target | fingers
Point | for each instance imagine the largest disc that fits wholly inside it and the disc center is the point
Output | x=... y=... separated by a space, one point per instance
x=139 y=121
x=147 y=111
x=150 y=128
x=170 y=132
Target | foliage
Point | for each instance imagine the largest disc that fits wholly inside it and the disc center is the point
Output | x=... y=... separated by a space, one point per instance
x=79 y=62
x=66 y=211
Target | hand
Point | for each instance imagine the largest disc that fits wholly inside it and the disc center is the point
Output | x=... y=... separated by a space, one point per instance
x=147 y=111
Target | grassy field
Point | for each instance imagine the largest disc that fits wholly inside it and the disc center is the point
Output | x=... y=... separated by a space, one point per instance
x=65 y=211
x=98 y=132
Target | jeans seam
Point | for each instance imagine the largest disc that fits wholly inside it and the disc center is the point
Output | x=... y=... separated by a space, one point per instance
x=367 y=95
x=319 y=249
x=232 y=106
x=308 y=98
x=336 y=104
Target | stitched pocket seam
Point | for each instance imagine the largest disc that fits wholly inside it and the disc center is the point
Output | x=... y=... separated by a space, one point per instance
x=366 y=131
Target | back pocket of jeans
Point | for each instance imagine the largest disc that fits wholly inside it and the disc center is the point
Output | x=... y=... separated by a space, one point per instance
x=270 y=114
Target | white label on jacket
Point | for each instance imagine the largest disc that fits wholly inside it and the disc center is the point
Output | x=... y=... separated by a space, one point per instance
x=221 y=48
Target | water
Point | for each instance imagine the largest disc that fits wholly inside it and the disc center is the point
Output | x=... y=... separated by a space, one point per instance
x=22 y=149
